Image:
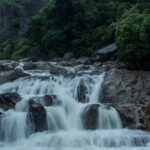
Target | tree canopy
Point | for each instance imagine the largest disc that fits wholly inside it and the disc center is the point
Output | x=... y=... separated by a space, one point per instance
x=82 y=26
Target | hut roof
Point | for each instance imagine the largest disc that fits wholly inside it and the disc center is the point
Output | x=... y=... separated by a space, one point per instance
x=110 y=48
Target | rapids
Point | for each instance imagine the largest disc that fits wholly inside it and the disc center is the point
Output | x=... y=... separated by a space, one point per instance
x=64 y=119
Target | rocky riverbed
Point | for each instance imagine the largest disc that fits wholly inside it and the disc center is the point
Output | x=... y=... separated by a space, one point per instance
x=127 y=91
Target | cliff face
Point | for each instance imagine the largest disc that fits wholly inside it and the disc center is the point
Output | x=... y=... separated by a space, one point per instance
x=129 y=93
x=14 y=15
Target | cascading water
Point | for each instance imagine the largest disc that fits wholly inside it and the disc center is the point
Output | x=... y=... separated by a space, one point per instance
x=65 y=127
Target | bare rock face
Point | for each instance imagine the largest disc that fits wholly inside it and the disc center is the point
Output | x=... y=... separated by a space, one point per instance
x=37 y=115
x=126 y=86
x=129 y=93
x=9 y=100
x=135 y=116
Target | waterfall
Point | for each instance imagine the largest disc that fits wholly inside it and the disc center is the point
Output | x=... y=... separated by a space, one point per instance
x=109 y=118
x=14 y=126
x=75 y=117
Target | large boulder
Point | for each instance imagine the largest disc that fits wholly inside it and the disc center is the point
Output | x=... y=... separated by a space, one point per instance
x=90 y=116
x=37 y=116
x=9 y=100
x=29 y=66
x=59 y=71
x=8 y=76
x=40 y=65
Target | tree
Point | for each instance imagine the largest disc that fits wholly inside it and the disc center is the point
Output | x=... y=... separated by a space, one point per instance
x=133 y=38
x=79 y=26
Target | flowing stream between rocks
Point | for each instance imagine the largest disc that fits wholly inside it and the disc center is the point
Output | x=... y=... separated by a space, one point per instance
x=75 y=118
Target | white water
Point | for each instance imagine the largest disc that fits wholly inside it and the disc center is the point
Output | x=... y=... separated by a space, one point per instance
x=65 y=125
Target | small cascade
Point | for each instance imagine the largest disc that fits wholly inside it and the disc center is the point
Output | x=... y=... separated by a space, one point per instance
x=64 y=112
x=109 y=118
x=14 y=126
x=56 y=119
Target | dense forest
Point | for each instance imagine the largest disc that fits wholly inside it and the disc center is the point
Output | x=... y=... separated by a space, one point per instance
x=81 y=27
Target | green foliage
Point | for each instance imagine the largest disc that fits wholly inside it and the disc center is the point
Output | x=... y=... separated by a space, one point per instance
x=15 y=23
x=133 y=38
x=21 y=49
x=14 y=49
x=79 y=26
x=82 y=26
x=6 y=50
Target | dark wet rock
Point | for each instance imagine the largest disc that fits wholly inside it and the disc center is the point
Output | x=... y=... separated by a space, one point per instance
x=50 y=100
x=90 y=116
x=7 y=65
x=8 y=76
x=40 y=65
x=38 y=117
x=144 y=118
x=47 y=100
x=43 y=65
x=29 y=66
x=68 y=56
x=1 y=116
x=59 y=71
x=9 y=100
x=82 y=92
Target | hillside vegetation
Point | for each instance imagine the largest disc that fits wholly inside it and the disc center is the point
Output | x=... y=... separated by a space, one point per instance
x=82 y=26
